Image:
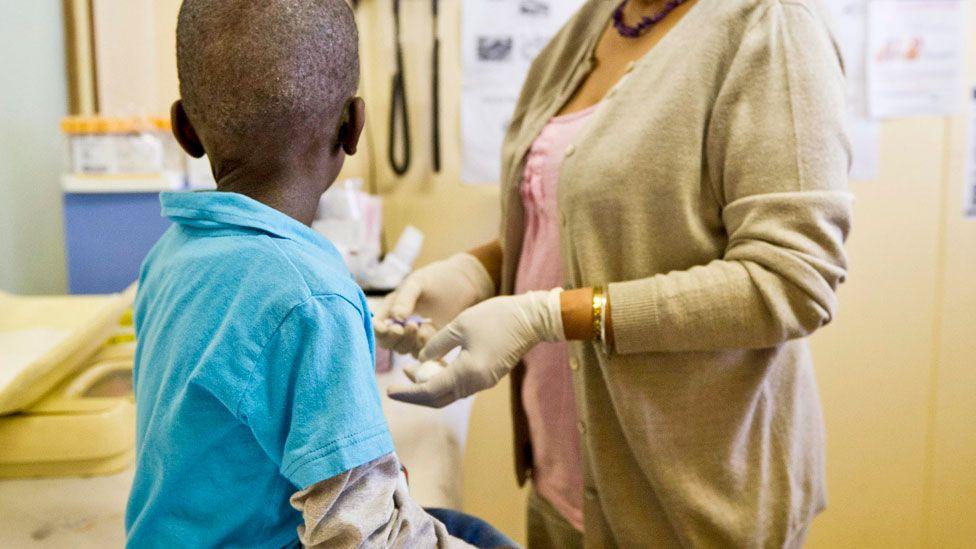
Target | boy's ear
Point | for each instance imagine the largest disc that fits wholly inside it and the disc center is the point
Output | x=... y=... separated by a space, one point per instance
x=351 y=129
x=183 y=130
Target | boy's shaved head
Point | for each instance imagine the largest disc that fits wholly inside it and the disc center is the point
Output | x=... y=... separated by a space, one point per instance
x=258 y=72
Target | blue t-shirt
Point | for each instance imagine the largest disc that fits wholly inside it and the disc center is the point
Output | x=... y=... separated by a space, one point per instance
x=253 y=375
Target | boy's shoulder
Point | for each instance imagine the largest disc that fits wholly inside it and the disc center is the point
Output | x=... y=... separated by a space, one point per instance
x=317 y=271
x=262 y=273
x=273 y=259
x=239 y=242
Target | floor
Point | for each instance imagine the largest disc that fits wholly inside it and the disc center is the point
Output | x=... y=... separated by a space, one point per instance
x=74 y=512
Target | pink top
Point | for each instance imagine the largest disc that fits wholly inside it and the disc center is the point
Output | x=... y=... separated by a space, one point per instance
x=547 y=391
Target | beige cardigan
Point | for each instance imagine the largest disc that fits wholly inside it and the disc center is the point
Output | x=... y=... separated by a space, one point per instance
x=709 y=192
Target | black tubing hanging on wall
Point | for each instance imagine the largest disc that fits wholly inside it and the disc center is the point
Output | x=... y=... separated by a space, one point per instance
x=399 y=114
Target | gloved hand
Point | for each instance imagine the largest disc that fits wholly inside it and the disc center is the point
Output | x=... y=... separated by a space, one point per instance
x=439 y=292
x=493 y=336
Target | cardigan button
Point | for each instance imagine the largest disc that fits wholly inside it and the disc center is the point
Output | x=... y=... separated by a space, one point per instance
x=630 y=66
x=573 y=364
x=570 y=150
x=581 y=427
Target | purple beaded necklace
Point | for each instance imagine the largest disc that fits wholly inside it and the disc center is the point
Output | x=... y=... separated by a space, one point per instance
x=627 y=31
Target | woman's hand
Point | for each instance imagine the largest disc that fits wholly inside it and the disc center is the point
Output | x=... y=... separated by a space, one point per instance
x=439 y=292
x=493 y=336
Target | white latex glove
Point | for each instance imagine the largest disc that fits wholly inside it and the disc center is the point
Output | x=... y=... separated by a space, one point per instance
x=438 y=292
x=493 y=336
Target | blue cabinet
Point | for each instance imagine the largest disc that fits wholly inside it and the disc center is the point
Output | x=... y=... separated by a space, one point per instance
x=107 y=236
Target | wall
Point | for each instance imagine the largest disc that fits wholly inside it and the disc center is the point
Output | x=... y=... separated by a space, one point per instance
x=897 y=369
x=33 y=98
x=951 y=450
x=126 y=76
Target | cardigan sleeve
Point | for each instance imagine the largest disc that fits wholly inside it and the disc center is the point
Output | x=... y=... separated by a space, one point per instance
x=777 y=157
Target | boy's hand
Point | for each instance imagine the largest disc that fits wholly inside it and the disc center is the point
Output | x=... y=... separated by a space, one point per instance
x=493 y=336
x=439 y=291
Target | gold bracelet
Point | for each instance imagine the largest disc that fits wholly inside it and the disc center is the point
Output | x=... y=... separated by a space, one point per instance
x=599 y=306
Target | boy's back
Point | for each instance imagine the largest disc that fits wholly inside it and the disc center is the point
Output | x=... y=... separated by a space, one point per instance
x=253 y=379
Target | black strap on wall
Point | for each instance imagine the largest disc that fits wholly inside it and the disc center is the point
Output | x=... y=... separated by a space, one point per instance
x=435 y=99
x=399 y=115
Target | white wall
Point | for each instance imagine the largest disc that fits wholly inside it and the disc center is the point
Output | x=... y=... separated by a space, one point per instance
x=32 y=101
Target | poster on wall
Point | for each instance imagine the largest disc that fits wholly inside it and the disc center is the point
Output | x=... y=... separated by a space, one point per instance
x=499 y=40
x=969 y=178
x=850 y=18
x=865 y=136
x=915 y=57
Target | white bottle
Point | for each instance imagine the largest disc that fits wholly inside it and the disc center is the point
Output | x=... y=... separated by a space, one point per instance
x=398 y=263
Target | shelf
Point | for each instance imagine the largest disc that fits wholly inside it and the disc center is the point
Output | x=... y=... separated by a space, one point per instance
x=123 y=183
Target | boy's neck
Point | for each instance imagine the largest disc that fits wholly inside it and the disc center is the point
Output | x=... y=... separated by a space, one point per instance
x=294 y=195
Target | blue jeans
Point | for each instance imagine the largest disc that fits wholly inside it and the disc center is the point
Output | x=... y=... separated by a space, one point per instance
x=473 y=530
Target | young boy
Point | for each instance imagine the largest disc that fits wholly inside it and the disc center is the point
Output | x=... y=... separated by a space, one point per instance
x=254 y=371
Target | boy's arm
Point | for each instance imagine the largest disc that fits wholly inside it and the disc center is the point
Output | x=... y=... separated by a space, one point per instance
x=314 y=406
x=367 y=506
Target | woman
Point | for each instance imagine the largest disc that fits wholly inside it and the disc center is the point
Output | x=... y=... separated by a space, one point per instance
x=701 y=213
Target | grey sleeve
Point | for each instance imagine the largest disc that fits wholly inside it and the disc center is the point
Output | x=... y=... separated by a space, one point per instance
x=368 y=506
x=778 y=157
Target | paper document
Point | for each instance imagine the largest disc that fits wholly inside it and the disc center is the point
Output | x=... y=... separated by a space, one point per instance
x=915 y=57
x=850 y=20
x=865 y=136
x=499 y=40
x=969 y=178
